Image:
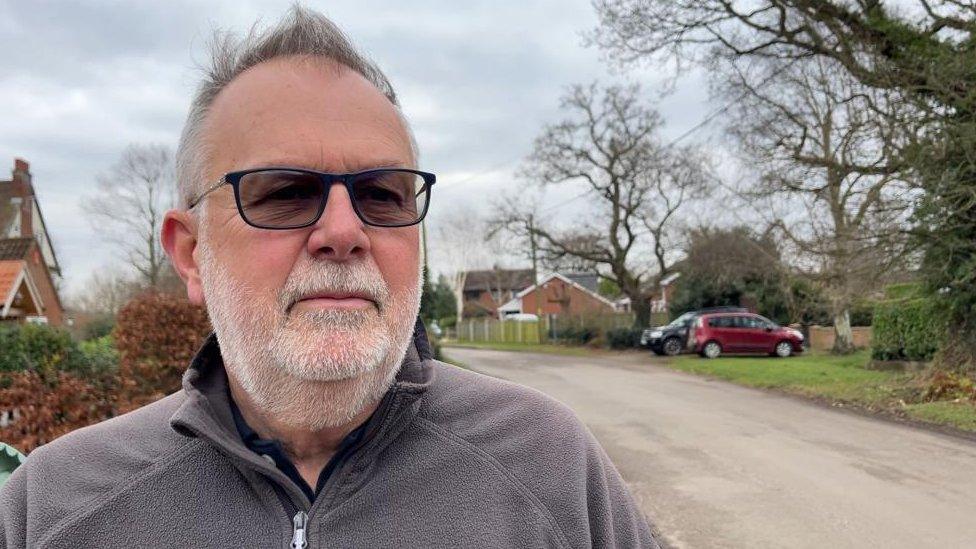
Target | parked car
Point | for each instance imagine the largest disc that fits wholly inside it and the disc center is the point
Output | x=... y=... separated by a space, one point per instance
x=672 y=339
x=717 y=333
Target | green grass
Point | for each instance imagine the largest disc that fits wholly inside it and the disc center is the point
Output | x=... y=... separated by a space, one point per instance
x=812 y=374
x=837 y=379
x=961 y=415
x=528 y=348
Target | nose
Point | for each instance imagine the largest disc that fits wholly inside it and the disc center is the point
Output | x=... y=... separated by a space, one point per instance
x=339 y=235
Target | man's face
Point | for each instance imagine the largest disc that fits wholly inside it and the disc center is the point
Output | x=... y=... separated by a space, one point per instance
x=329 y=306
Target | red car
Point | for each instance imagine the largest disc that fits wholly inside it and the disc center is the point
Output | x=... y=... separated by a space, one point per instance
x=719 y=333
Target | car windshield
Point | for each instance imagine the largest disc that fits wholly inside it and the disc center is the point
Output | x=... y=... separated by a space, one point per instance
x=768 y=322
x=682 y=320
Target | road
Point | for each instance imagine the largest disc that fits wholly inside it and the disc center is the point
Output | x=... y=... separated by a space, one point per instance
x=717 y=465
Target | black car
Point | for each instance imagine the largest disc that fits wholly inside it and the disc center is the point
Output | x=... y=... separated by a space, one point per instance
x=672 y=339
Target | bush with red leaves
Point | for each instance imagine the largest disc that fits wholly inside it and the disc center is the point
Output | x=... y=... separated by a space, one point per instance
x=156 y=336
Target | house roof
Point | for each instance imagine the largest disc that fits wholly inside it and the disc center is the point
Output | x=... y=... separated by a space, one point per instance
x=15 y=248
x=565 y=279
x=590 y=281
x=11 y=273
x=498 y=279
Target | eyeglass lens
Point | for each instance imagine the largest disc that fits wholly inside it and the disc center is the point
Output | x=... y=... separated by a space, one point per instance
x=285 y=198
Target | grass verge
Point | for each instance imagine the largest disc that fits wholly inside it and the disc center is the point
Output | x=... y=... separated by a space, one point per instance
x=528 y=348
x=836 y=380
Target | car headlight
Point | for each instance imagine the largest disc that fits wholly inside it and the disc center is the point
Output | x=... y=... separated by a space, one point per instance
x=797 y=333
x=657 y=333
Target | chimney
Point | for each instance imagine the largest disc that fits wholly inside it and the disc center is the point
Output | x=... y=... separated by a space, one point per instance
x=24 y=190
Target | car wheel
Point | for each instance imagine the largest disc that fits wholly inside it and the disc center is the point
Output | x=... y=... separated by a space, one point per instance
x=784 y=349
x=711 y=350
x=672 y=346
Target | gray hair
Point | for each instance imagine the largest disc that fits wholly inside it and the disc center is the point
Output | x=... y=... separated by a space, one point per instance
x=301 y=32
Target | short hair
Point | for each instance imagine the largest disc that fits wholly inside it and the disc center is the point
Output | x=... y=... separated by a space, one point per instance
x=302 y=32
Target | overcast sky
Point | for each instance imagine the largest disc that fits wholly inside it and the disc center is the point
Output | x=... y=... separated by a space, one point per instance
x=478 y=79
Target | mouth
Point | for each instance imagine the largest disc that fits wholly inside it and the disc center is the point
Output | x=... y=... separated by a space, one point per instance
x=342 y=301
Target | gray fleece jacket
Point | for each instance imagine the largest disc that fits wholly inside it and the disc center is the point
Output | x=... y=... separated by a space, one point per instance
x=450 y=459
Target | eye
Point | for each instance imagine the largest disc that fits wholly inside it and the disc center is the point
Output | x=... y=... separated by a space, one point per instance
x=292 y=191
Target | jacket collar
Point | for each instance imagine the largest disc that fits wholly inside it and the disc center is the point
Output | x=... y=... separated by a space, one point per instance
x=206 y=412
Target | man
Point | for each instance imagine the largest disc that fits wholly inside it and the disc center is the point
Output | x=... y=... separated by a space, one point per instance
x=315 y=416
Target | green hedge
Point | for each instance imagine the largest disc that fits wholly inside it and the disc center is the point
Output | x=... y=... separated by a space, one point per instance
x=577 y=335
x=42 y=347
x=623 y=338
x=910 y=328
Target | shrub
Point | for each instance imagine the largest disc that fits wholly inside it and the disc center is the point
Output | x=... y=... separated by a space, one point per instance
x=48 y=405
x=38 y=347
x=157 y=335
x=623 y=338
x=447 y=322
x=907 y=329
x=576 y=335
x=97 y=327
x=100 y=357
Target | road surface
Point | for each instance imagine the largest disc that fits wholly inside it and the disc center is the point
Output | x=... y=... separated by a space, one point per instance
x=717 y=465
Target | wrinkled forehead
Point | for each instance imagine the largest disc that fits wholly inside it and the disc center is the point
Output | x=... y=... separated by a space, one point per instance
x=304 y=112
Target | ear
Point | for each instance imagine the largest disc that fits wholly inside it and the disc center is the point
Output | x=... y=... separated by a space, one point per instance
x=179 y=236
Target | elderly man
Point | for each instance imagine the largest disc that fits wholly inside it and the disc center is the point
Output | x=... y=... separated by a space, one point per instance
x=315 y=416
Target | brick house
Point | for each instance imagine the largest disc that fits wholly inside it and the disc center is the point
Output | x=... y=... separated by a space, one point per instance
x=484 y=291
x=29 y=269
x=558 y=294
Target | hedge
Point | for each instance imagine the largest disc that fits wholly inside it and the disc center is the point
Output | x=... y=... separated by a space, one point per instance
x=907 y=329
x=157 y=335
x=624 y=338
x=54 y=385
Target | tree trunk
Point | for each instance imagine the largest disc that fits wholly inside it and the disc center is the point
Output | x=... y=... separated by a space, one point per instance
x=843 y=335
x=641 y=306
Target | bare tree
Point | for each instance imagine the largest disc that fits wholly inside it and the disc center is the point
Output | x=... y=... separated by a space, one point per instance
x=128 y=210
x=918 y=50
x=609 y=142
x=106 y=292
x=819 y=146
x=459 y=245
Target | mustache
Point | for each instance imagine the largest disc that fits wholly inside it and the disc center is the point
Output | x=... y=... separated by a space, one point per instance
x=359 y=279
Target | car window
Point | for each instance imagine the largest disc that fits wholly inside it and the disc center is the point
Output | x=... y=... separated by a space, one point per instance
x=752 y=322
x=721 y=321
x=683 y=320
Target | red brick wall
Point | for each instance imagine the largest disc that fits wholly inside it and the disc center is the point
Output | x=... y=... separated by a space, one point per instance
x=560 y=298
x=22 y=188
x=42 y=280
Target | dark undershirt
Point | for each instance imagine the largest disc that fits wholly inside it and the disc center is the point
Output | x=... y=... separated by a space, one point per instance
x=276 y=451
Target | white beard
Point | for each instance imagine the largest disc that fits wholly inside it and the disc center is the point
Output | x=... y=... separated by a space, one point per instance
x=310 y=369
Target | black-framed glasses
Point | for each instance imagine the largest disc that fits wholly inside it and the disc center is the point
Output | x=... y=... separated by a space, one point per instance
x=292 y=198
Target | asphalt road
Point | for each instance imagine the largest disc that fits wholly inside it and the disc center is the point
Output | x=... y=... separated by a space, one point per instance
x=717 y=465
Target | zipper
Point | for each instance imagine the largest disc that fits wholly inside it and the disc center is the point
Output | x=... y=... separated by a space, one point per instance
x=298 y=539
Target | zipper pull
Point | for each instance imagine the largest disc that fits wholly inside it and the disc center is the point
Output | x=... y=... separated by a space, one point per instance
x=298 y=539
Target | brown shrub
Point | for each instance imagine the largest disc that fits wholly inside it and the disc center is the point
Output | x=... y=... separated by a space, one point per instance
x=48 y=405
x=156 y=335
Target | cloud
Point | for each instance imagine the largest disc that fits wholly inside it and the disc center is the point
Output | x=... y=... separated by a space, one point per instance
x=81 y=80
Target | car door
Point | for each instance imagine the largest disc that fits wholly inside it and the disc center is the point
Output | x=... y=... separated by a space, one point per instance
x=753 y=334
x=769 y=335
x=724 y=330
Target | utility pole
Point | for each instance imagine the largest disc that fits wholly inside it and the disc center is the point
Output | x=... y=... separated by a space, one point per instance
x=535 y=275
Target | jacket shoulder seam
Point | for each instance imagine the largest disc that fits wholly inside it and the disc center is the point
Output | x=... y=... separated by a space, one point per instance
x=150 y=470
x=524 y=490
